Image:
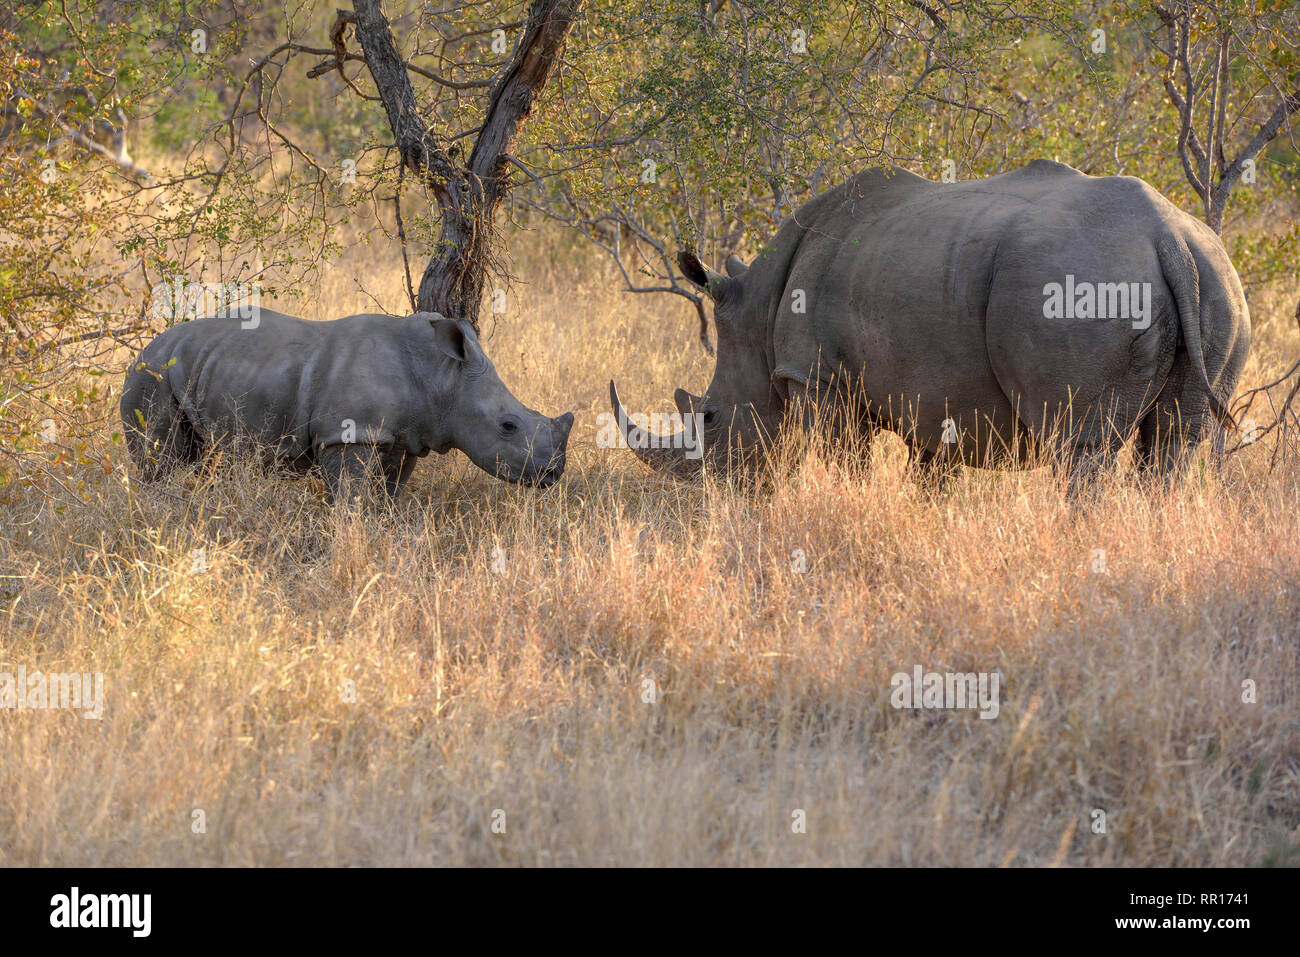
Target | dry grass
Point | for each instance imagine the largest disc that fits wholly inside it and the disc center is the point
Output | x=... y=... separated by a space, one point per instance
x=522 y=689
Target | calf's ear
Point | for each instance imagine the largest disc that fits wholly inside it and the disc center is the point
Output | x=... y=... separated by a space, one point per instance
x=456 y=338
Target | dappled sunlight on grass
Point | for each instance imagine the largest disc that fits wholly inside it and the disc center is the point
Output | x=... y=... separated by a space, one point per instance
x=637 y=670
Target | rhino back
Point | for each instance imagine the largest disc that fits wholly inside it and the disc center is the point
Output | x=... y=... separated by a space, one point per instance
x=383 y=376
x=935 y=291
x=283 y=380
x=894 y=274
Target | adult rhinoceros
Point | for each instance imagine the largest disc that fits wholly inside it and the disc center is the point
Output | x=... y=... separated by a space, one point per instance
x=980 y=320
x=353 y=397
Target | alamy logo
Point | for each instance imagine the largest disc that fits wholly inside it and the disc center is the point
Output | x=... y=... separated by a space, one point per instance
x=653 y=431
x=76 y=692
x=1102 y=300
x=938 y=691
x=102 y=910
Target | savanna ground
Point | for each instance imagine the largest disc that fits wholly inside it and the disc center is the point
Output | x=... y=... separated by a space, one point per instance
x=349 y=687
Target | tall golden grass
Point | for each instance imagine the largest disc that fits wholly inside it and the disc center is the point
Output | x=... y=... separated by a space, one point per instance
x=355 y=687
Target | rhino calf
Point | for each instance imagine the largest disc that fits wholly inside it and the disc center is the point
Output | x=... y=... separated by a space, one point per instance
x=355 y=398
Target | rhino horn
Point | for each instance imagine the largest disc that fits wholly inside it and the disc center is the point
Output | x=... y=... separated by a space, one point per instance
x=662 y=453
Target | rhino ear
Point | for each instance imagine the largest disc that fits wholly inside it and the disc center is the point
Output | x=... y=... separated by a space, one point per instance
x=456 y=338
x=687 y=403
x=735 y=266
x=692 y=268
x=715 y=284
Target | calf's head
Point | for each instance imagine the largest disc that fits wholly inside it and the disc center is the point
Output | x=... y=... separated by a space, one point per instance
x=485 y=421
x=740 y=412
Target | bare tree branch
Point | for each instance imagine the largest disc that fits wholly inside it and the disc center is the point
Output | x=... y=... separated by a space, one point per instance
x=467 y=195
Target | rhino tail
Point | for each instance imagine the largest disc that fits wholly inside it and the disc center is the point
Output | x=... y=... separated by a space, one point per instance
x=1179 y=267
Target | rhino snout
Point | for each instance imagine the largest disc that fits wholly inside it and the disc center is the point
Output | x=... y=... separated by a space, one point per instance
x=546 y=463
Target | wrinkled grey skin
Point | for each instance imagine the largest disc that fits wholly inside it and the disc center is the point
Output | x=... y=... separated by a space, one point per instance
x=356 y=398
x=925 y=303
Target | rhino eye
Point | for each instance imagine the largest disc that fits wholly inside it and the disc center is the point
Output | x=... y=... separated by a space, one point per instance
x=709 y=416
x=509 y=428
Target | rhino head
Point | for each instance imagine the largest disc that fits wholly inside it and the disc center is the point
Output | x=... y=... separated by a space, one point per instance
x=484 y=420
x=740 y=412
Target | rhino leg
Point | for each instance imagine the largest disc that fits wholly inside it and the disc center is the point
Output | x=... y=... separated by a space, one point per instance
x=933 y=470
x=158 y=436
x=1182 y=417
x=398 y=467
x=844 y=423
x=351 y=470
x=1089 y=457
x=1166 y=439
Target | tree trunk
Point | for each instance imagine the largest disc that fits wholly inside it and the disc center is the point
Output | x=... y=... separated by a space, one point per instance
x=467 y=195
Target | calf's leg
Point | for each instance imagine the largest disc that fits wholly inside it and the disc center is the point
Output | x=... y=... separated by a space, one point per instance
x=351 y=470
